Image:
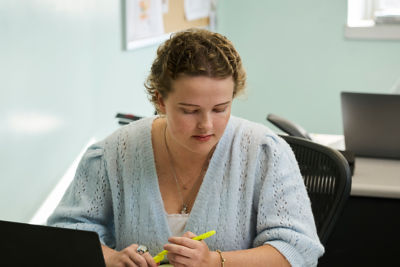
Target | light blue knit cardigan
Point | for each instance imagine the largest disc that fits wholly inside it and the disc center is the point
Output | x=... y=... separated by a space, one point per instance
x=252 y=194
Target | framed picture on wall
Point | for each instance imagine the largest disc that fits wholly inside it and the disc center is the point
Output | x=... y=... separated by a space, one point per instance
x=144 y=23
x=151 y=22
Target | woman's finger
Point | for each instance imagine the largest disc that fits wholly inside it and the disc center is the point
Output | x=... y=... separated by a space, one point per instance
x=179 y=249
x=178 y=260
x=183 y=241
x=136 y=258
x=149 y=259
x=139 y=260
x=189 y=234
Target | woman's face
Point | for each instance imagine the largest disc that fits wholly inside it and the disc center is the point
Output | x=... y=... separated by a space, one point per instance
x=197 y=111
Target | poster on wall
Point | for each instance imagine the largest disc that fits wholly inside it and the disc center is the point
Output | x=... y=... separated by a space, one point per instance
x=144 y=23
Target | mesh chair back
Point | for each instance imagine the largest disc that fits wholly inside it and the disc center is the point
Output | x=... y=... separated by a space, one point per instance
x=327 y=177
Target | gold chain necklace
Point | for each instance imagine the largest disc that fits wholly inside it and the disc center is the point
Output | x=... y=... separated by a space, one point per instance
x=185 y=206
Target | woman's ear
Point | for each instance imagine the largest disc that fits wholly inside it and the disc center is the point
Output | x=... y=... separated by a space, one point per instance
x=160 y=103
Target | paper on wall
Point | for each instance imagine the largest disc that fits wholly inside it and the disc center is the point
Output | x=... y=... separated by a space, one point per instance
x=144 y=19
x=165 y=6
x=196 y=9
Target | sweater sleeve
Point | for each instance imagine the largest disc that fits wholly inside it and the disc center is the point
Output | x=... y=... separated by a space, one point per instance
x=87 y=204
x=284 y=219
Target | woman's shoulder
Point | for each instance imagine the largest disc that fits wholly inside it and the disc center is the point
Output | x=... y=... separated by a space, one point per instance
x=258 y=133
x=136 y=133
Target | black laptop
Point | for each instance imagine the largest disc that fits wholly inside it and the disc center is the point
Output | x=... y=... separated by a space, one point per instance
x=35 y=245
x=371 y=124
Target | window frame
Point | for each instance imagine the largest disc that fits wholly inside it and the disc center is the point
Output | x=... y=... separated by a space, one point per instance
x=361 y=22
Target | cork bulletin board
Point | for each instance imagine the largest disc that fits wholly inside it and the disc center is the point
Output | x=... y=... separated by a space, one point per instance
x=175 y=19
x=138 y=17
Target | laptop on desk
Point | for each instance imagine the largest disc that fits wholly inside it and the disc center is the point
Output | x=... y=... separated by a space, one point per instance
x=371 y=124
x=35 y=245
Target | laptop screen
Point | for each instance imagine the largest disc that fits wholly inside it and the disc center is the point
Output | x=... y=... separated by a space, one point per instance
x=371 y=124
x=35 y=245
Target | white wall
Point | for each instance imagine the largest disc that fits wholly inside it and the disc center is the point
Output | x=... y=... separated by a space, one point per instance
x=64 y=75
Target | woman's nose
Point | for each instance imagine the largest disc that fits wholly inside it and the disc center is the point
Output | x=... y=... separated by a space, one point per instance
x=205 y=122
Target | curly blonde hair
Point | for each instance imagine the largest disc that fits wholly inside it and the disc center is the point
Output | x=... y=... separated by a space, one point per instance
x=194 y=52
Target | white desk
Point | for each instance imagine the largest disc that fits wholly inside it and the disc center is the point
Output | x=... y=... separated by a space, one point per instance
x=376 y=178
x=372 y=177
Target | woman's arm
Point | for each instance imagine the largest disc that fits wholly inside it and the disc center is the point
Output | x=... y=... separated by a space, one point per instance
x=265 y=255
x=284 y=216
x=86 y=205
x=183 y=251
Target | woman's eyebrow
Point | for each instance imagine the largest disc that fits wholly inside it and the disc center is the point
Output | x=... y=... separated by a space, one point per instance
x=227 y=102
x=193 y=105
x=190 y=105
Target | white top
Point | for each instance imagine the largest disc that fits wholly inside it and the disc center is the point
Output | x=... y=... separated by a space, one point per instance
x=177 y=223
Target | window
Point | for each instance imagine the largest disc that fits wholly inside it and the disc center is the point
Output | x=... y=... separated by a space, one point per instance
x=373 y=19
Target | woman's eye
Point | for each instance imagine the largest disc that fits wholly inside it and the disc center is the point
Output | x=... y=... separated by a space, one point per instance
x=185 y=111
x=219 y=110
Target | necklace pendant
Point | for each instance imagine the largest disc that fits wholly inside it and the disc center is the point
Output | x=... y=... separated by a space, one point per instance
x=184 y=209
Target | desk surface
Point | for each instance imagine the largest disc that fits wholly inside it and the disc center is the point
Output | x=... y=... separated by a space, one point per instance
x=376 y=178
x=372 y=177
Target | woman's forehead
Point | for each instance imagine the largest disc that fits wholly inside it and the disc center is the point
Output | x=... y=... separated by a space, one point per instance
x=201 y=85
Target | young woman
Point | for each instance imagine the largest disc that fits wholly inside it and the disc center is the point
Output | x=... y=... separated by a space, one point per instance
x=156 y=183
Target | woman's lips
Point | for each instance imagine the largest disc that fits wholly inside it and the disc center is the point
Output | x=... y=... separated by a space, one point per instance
x=203 y=138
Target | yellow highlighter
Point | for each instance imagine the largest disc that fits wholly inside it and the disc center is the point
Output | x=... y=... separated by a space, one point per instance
x=160 y=256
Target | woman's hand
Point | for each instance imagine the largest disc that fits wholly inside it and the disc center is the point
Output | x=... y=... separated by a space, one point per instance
x=186 y=252
x=127 y=257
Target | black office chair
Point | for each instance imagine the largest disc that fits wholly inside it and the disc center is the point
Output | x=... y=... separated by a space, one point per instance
x=126 y=118
x=327 y=177
x=294 y=129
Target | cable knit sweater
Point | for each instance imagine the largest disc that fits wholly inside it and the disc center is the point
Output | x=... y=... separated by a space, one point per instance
x=252 y=194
